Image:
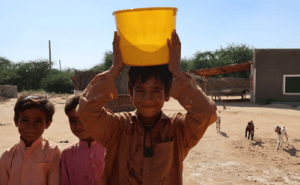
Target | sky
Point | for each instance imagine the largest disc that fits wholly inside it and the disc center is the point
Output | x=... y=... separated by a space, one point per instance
x=82 y=31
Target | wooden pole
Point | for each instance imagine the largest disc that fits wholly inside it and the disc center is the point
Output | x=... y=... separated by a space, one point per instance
x=59 y=65
x=222 y=103
x=50 y=57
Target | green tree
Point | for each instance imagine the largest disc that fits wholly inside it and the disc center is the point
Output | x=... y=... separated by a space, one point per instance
x=6 y=70
x=186 y=64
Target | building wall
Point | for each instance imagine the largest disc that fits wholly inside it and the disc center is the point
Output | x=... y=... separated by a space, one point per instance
x=271 y=65
x=9 y=91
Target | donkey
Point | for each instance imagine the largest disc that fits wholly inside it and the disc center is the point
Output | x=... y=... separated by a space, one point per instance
x=250 y=129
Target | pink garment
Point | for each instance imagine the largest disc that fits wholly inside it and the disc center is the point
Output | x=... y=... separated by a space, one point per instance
x=38 y=164
x=82 y=165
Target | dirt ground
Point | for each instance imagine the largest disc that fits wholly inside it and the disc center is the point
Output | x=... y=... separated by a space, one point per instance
x=225 y=158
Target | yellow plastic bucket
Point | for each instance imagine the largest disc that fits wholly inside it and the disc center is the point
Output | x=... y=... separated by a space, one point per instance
x=143 y=35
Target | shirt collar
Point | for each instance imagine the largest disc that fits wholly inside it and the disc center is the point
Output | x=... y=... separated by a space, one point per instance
x=34 y=144
x=134 y=115
x=85 y=144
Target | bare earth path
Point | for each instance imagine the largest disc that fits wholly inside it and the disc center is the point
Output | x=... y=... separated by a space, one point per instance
x=226 y=158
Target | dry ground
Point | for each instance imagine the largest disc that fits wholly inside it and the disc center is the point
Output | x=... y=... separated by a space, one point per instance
x=226 y=158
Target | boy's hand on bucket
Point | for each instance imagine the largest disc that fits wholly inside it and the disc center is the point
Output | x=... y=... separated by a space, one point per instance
x=117 y=63
x=174 y=55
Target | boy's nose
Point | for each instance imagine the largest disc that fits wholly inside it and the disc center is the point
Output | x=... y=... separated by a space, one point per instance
x=148 y=97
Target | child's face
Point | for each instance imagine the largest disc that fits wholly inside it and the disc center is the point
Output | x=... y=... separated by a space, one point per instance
x=149 y=98
x=31 y=124
x=76 y=126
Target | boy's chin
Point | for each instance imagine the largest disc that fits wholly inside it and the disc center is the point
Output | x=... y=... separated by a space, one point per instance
x=148 y=114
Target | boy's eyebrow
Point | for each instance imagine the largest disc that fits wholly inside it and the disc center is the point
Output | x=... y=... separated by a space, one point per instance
x=160 y=88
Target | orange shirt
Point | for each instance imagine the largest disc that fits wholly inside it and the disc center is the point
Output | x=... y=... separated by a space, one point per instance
x=124 y=137
x=38 y=164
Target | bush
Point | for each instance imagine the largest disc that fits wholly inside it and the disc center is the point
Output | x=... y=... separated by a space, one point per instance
x=57 y=84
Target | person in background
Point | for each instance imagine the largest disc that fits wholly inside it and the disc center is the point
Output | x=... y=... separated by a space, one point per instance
x=81 y=162
x=34 y=160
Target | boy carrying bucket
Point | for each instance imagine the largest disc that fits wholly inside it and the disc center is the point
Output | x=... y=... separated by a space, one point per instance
x=146 y=146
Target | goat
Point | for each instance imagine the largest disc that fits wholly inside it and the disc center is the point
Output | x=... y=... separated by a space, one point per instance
x=218 y=124
x=280 y=133
x=250 y=129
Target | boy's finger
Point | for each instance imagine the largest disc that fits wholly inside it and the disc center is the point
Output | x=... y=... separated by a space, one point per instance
x=115 y=37
x=169 y=45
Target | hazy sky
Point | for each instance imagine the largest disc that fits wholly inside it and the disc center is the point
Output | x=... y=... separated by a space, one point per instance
x=81 y=31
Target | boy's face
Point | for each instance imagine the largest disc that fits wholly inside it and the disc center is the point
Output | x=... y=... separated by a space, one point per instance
x=149 y=98
x=31 y=124
x=76 y=126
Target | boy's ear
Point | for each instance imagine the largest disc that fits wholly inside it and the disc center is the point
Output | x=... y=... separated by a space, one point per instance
x=48 y=124
x=16 y=123
x=130 y=94
x=167 y=97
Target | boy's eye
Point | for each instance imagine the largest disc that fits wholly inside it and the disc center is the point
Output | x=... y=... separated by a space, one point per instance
x=25 y=120
x=156 y=91
x=139 y=90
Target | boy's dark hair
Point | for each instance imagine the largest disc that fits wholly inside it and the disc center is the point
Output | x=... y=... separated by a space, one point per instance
x=160 y=73
x=71 y=104
x=34 y=101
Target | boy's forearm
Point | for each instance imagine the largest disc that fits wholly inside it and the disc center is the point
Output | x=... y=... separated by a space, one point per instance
x=90 y=109
x=115 y=71
x=192 y=98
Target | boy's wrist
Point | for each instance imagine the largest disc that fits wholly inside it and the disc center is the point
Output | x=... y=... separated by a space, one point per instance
x=178 y=74
x=114 y=71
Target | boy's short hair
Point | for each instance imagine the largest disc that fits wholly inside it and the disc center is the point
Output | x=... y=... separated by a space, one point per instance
x=160 y=73
x=34 y=101
x=71 y=104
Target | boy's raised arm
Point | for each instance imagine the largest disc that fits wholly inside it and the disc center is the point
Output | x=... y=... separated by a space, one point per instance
x=101 y=123
x=201 y=110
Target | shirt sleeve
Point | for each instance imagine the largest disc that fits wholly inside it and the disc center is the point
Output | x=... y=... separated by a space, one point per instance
x=3 y=170
x=54 y=171
x=102 y=123
x=65 y=177
x=201 y=111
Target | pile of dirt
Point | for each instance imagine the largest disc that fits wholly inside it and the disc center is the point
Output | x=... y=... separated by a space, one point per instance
x=2 y=99
x=122 y=103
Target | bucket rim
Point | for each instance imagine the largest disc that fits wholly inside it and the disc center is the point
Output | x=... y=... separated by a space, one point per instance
x=144 y=9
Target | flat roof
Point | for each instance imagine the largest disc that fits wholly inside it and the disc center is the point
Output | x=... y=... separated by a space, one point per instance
x=222 y=70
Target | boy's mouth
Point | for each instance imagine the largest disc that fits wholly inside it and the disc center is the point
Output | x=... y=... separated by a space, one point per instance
x=148 y=106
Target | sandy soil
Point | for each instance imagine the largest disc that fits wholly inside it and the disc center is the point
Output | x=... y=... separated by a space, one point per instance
x=225 y=158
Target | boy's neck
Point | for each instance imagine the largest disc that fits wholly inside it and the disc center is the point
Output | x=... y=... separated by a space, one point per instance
x=89 y=140
x=149 y=122
x=27 y=143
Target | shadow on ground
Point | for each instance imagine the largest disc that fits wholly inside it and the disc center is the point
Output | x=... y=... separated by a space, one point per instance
x=257 y=142
x=291 y=150
x=223 y=134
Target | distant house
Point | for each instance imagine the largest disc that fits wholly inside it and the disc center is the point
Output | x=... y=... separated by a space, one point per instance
x=275 y=76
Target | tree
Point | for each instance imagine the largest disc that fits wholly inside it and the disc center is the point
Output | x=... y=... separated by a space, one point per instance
x=232 y=54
